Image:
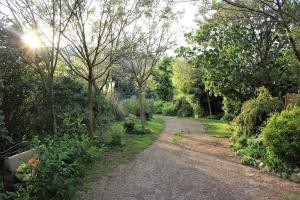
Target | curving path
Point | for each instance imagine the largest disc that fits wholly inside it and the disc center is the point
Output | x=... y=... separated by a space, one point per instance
x=198 y=167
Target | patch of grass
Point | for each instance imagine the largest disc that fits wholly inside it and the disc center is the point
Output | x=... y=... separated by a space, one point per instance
x=216 y=128
x=177 y=137
x=132 y=144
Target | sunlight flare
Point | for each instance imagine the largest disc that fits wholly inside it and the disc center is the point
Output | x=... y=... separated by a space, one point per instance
x=31 y=39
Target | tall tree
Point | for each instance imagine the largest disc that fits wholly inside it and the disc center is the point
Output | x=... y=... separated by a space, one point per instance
x=162 y=79
x=286 y=13
x=92 y=42
x=237 y=55
x=148 y=42
x=44 y=22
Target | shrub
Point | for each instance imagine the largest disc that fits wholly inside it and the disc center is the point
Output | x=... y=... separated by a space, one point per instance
x=149 y=108
x=114 y=134
x=251 y=150
x=169 y=109
x=254 y=112
x=231 y=108
x=130 y=106
x=129 y=123
x=158 y=105
x=5 y=139
x=62 y=163
x=248 y=160
x=71 y=124
x=281 y=136
x=184 y=109
x=239 y=143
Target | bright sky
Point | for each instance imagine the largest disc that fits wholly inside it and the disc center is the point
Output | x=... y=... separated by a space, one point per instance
x=186 y=22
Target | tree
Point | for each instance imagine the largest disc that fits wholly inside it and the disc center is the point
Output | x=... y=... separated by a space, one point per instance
x=92 y=43
x=238 y=55
x=147 y=43
x=21 y=104
x=162 y=79
x=285 y=13
x=45 y=22
x=189 y=86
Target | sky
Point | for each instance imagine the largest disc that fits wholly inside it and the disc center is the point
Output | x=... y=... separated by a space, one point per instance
x=186 y=22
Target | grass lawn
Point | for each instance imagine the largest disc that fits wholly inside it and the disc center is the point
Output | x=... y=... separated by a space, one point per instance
x=216 y=128
x=132 y=145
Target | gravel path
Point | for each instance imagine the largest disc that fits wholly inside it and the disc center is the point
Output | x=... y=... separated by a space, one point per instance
x=198 y=167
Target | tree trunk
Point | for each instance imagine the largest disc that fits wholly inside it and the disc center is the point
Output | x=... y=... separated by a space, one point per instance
x=90 y=116
x=142 y=109
x=209 y=106
x=51 y=108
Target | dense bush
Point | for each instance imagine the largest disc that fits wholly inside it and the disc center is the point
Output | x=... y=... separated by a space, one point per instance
x=21 y=97
x=71 y=107
x=231 y=108
x=106 y=110
x=114 y=134
x=254 y=112
x=149 y=108
x=129 y=123
x=168 y=108
x=62 y=163
x=251 y=151
x=131 y=106
x=239 y=143
x=5 y=139
x=184 y=108
x=158 y=105
x=281 y=136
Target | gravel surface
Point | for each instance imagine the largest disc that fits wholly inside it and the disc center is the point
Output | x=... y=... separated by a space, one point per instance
x=198 y=167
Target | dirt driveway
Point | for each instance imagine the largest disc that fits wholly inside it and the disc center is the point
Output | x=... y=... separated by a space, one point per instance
x=198 y=167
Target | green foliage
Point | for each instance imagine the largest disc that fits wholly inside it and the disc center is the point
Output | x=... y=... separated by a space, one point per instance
x=163 y=87
x=231 y=108
x=129 y=123
x=158 y=105
x=184 y=108
x=21 y=96
x=168 y=108
x=5 y=138
x=251 y=151
x=114 y=135
x=70 y=103
x=189 y=87
x=71 y=124
x=149 y=108
x=239 y=143
x=227 y=51
x=131 y=106
x=106 y=110
x=254 y=112
x=281 y=136
x=247 y=160
x=61 y=166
